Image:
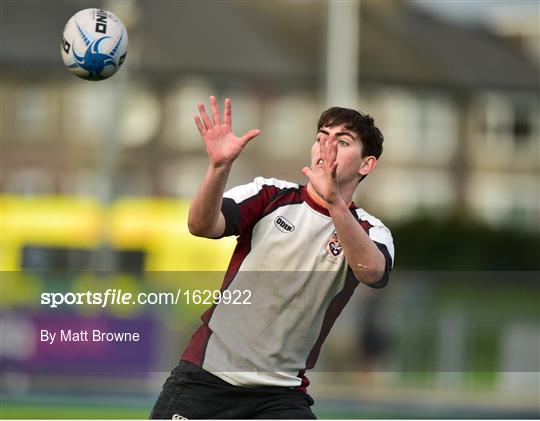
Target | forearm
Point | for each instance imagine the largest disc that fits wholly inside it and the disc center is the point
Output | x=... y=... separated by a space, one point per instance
x=205 y=210
x=363 y=256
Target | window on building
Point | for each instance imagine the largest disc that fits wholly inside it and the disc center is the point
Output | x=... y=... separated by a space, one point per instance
x=89 y=113
x=419 y=126
x=31 y=112
x=506 y=124
x=140 y=118
x=522 y=129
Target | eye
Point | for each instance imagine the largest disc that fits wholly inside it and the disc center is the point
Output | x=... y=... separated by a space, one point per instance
x=343 y=143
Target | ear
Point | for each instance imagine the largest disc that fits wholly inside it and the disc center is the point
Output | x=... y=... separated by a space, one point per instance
x=368 y=165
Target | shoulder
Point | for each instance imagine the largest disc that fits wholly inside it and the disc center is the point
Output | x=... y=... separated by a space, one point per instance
x=259 y=187
x=377 y=231
x=274 y=182
x=363 y=215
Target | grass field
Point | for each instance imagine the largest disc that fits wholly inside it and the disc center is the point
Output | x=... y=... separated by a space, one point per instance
x=129 y=407
x=140 y=409
x=19 y=411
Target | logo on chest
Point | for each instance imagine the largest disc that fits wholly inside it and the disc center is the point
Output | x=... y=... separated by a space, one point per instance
x=334 y=246
x=283 y=224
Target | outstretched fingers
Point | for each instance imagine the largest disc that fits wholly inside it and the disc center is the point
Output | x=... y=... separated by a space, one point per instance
x=332 y=152
x=215 y=111
x=333 y=170
x=227 y=117
x=325 y=153
x=205 y=117
x=205 y=123
x=200 y=125
x=329 y=152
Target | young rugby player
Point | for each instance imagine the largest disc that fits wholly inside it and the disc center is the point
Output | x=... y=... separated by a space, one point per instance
x=301 y=252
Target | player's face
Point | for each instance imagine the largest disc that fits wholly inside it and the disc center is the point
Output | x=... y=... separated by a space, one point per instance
x=349 y=156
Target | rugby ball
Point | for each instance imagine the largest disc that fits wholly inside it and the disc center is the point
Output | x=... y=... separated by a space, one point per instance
x=94 y=44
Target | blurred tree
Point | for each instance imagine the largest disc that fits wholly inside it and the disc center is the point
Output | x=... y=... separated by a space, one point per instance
x=454 y=243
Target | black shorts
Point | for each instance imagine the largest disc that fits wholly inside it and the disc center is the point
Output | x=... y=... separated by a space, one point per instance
x=193 y=393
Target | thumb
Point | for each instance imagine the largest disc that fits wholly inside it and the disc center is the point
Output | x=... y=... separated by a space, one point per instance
x=307 y=172
x=250 y=135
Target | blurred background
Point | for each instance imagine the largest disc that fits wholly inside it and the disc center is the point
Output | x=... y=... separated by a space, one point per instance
x=96 y=180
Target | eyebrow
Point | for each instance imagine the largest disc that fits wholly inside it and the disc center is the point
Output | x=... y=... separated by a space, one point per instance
x=343 y=133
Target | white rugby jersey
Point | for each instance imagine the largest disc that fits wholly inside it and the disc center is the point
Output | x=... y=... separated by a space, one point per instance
x=289 y=259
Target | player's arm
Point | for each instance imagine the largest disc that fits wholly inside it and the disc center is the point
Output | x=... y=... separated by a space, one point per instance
x=363 y=256
x=222 y=147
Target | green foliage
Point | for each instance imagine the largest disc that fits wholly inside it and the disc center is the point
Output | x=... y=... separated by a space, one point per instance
x=456 y=244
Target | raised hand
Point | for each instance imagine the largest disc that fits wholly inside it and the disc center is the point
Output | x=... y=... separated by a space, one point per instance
x=324 y=179
x=222 y=145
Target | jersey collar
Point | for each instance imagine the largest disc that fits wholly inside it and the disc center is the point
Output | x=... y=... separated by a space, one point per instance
x=315 y=203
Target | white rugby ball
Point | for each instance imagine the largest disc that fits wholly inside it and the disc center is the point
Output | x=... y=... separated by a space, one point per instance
x=94 y=44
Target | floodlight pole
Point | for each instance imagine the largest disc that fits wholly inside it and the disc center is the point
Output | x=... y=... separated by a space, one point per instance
x=342 y=53
x=115 y=89
x=107 y=170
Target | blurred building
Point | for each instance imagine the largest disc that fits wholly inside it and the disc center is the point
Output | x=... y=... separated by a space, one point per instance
x=458 y=106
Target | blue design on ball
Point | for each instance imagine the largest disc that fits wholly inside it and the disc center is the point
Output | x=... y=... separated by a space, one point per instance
x=93 y=61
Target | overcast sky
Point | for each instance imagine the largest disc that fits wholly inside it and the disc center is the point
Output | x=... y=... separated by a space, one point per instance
x=471 y=11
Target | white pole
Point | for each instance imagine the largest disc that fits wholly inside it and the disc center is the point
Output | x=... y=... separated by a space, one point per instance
x=342 y=53
x=115 y=90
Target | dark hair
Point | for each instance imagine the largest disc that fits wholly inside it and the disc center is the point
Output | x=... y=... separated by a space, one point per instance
x=363 y=124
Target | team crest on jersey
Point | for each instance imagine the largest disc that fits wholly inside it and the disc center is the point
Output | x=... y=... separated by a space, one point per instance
x=334 y=246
